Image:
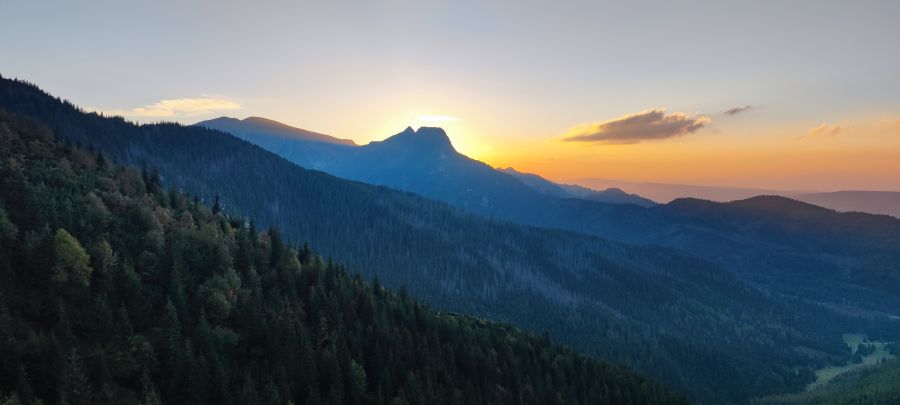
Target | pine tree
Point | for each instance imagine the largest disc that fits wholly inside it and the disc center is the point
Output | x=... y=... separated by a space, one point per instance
x=101 y=161
x=277 y=248
x=76 y=389
x=151 y=395
x=72 y=262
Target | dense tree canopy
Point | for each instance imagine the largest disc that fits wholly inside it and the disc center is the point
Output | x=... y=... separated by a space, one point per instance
x=113 y=290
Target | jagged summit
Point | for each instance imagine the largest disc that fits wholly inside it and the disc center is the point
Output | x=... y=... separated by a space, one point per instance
x=424 y=139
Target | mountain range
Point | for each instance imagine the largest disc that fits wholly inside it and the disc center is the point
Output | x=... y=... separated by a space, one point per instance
x=725 y=301
x=424 y=162
x=872 y=202
x=610 y=195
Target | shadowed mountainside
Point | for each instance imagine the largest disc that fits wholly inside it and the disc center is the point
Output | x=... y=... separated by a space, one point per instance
x=119 y=292
x=670 y=315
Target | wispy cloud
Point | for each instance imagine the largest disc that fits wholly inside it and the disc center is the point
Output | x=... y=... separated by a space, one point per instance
x=178 y=107
x=824 y=130
x=739 y=109
x=634 y=128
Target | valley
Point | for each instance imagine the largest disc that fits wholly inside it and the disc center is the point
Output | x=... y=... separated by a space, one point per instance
x=873 y=354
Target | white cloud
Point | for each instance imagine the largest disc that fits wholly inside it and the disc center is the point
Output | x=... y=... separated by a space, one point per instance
x=824 y=130
x=178 y=107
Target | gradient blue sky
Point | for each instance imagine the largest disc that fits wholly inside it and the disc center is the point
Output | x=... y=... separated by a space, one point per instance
x=509 y=80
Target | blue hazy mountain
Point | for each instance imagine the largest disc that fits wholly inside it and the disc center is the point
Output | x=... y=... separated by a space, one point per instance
x=421 y=161
x=539 y=183
x=873 y=202
x=294 y=144
x=868 y=201
x=610 y=195
x=618 y=196
x=425 y=162
x=252 y=127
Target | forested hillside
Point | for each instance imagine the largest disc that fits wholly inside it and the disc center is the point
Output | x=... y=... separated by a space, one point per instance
x=875 y=385
x=115 y=291
x=680 y=319
x=848 y=260
x=849 y=265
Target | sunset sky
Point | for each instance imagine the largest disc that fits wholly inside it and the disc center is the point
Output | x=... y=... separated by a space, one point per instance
x=785 y=95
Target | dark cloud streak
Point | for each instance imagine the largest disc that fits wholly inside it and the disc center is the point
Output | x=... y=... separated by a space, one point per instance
x=634 y=128
x=739 y=109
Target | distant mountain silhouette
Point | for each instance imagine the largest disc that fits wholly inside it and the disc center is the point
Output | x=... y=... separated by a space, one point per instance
x=259 y=126
x=666 y=192
x=547 y=187
x=730 y=234
x=294 y=144
x=422 y=161
x=538 y=183
x=874 y=202
x=617 y=196
x=425 y=162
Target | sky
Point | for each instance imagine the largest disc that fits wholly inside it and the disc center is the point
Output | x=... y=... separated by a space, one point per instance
x=768 y=94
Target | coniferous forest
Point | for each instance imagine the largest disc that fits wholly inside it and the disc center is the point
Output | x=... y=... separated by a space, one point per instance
x=115 y=290
x=689 y=323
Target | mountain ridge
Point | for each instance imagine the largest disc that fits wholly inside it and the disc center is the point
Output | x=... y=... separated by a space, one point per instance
x=261 y=125
x=477 y=188
x=868 y=201
x=865 y=201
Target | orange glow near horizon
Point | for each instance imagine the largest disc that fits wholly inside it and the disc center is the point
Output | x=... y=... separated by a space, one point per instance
x=643 y=92
x=862 y=157
x=753 y=151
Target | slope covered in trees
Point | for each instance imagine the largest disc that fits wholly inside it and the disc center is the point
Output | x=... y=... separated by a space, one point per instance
x=879 y=384
x=848 y=267
x=680 y=319
x=875 y=385
x=115 y=291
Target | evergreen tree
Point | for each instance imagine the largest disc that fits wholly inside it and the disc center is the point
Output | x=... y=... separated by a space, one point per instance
x=72 y=262
x=100 y=161
x=76 y=389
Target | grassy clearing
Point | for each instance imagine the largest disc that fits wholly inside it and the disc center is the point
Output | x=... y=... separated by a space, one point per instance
x=854 y=340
